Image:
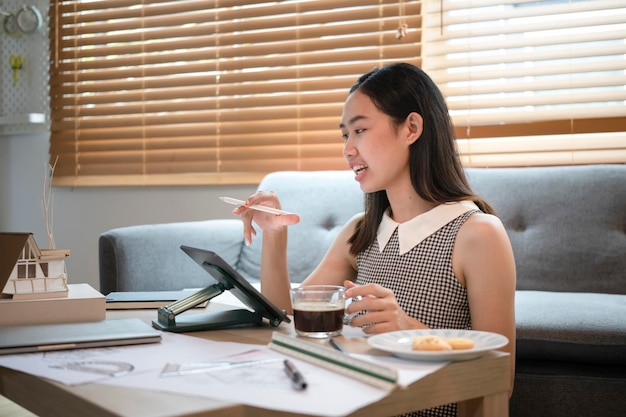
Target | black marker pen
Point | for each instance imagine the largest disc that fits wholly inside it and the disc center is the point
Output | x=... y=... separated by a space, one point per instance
x=297 y=380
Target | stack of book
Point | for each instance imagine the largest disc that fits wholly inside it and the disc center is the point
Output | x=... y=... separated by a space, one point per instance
x=82 y=304
x=146 y=299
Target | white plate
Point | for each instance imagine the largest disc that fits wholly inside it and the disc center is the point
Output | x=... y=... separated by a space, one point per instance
x=400 y=344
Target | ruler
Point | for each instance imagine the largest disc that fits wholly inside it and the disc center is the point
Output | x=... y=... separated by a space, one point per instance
x=368 y=372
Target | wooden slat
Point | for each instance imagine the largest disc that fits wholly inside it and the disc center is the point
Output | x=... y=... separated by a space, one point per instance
x=178 y=86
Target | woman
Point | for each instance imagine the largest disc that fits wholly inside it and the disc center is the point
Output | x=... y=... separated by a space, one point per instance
x=427 y=252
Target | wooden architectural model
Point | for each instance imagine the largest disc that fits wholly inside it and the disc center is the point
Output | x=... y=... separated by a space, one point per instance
x=28 y=272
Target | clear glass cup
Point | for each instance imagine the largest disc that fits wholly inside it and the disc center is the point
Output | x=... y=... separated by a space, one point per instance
x=318 y=310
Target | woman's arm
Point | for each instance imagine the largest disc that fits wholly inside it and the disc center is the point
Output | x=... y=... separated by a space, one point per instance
x=337 y=265
x=483 y=261
x=275 y=281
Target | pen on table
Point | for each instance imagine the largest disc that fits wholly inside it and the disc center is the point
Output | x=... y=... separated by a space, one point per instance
x=336 y=345
x=297 y=380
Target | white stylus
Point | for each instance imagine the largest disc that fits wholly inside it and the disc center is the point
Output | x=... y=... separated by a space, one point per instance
x=265 y=209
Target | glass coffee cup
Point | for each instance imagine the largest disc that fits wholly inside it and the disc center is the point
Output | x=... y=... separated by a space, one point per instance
x=318 y=310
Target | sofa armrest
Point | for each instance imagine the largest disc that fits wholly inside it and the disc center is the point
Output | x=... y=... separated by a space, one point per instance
x=149 y=258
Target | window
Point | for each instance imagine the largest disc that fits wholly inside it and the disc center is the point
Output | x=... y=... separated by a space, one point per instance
x=531 y=82
x=211 y=92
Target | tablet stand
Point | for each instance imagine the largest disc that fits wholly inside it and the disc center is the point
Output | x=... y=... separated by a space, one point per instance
x=166 y=318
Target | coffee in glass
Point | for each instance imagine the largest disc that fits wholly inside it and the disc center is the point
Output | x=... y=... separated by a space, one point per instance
x=318 y=310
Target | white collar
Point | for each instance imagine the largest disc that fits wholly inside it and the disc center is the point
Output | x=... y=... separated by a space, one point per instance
x=412 y=232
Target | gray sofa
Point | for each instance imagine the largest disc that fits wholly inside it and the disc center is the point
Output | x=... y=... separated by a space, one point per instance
x=567 y=227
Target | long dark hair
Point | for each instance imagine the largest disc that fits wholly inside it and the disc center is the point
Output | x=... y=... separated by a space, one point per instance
x=435 y=168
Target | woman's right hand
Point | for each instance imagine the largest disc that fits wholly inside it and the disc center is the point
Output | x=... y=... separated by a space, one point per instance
x=266 y=221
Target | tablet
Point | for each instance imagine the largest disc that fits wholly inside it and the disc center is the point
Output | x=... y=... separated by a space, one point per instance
x=231 y=280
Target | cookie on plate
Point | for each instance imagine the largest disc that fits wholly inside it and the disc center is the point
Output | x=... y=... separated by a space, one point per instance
x=430 y=342
x=460 y=343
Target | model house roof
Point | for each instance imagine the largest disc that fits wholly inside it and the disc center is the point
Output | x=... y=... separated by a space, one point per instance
x=12 y=246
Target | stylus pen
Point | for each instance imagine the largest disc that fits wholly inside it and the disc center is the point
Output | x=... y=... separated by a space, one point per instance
x=297 y=380
x=266 y=209
x=336 y=345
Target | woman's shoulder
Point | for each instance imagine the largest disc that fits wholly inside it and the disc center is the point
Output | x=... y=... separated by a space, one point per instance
x=483 y=221
x=348 y=229
x=338 y=260
x=350 y=226
x=355 y=219
x=481 y=227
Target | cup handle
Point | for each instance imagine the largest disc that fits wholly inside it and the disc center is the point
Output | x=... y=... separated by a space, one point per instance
x=347 y=318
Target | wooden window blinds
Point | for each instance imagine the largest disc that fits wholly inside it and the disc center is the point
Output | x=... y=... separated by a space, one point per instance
x=197 y=92
x=531 y=82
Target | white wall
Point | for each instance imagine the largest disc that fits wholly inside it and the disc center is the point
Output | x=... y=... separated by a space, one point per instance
x=82 y=214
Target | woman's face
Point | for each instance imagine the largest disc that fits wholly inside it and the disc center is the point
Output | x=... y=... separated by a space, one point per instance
x=375 y=149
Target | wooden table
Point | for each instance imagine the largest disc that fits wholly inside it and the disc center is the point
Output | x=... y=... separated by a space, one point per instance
x=480 y=386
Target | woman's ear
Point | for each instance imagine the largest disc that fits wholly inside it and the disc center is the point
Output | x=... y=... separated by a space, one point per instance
x=414 y=126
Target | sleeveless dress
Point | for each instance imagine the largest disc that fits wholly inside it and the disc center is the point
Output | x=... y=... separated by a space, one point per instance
x=414 y=260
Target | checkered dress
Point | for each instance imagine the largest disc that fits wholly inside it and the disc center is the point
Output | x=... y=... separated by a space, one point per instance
x=424 y=284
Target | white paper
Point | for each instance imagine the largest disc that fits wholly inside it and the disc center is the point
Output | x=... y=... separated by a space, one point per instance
x=328 y=393
x=266 y=385
x=55 y=365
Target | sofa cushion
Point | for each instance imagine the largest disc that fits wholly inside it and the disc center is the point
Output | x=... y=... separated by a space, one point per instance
x=571 y=327
x=566 y=224
x=149 y=258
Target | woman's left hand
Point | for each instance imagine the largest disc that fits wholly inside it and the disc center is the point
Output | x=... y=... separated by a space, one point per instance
x=379 y=309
